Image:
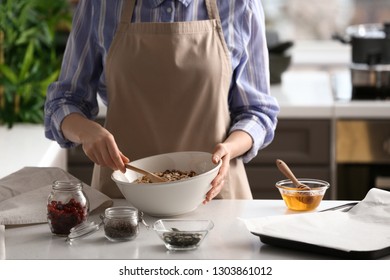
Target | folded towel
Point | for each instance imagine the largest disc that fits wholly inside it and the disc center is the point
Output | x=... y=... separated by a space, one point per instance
x=23 y=195
x=2 y=243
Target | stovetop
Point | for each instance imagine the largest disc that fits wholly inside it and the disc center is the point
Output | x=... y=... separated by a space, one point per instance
x=343 y=90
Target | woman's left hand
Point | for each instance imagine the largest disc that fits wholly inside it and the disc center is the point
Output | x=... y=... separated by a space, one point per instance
x=237 y=143
x=221 y=152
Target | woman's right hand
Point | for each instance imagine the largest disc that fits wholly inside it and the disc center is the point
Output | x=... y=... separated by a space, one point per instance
x=97 y=142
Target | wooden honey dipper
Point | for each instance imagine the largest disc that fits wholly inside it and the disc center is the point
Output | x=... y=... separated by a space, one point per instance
x=288 y=173
x=306 y=196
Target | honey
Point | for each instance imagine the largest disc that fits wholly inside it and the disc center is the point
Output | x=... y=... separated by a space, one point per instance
x=302 y=201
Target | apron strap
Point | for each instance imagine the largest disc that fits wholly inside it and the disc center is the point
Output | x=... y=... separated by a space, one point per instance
x=127 y=10
x=212 y=10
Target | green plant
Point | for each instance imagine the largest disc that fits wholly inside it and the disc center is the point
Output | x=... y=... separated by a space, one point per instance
x=30 y=56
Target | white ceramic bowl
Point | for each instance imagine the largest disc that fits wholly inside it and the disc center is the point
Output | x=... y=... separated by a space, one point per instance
x=169 y=198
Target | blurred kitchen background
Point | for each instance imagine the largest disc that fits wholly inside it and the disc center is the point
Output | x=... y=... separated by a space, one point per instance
x=349 y=146
x=319 y=20
x=322 y=132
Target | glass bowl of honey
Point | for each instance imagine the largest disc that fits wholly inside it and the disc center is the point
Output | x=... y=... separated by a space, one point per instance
x=302 y=199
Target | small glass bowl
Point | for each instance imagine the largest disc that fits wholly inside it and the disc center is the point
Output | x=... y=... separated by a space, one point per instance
x=300 y=199
x=181 y=234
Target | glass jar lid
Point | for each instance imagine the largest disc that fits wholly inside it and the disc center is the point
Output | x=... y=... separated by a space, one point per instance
x=82 y=230
x=121 y=212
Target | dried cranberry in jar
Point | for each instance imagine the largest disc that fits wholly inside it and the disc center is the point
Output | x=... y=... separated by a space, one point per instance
x=67 y=206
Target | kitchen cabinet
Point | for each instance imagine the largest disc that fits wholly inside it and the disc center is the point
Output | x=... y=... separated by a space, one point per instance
x=79 y=165
x=304 y=145
x=362 y=156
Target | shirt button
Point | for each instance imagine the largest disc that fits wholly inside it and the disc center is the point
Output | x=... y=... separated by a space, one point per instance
x=169 y=10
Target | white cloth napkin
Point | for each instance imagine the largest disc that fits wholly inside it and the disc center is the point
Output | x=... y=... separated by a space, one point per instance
x=2 y=243
x=23 y=195
x=366 y=227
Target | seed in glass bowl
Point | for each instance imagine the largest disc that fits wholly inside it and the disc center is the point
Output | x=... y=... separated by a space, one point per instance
x=182 y=239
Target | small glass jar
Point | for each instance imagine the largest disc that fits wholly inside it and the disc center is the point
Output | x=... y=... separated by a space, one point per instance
x=67 y=206
x=121 y=223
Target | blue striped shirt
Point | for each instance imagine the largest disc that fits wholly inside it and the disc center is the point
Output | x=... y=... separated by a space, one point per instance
x=251 y=106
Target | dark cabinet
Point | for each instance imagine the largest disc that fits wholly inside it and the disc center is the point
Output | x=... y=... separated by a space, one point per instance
x=305 y=145
x=362 y=157
x=79 y=165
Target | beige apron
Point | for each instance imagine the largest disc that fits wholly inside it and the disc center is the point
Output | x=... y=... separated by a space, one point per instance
x=168 y=87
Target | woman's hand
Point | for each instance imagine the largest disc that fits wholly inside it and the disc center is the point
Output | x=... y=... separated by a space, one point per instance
x=220 y=153
x=100 y=146
x=97 y=142
x=238 y=143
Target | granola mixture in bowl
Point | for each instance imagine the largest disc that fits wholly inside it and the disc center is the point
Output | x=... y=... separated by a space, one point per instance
x=169 y=176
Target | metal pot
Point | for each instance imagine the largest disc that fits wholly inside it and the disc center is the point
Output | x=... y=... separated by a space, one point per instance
x=370 y=43
x=370 y=67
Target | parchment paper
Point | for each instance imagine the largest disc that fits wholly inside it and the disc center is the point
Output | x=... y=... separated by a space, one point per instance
x=366 y=227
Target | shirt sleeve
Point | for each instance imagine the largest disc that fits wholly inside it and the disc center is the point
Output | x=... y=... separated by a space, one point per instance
x=75 y=90
x=252 y=108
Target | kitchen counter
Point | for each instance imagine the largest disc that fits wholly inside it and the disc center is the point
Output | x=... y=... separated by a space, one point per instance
x=317 y=94
x=304 y=94
x=26 y=145
x=228 y=240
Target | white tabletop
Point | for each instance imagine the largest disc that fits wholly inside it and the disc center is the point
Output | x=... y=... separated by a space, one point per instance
x=229 y=239
x=26 y=145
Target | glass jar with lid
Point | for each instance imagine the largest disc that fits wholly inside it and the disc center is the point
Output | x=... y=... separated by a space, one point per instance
x=121 y=223
x=67 y=206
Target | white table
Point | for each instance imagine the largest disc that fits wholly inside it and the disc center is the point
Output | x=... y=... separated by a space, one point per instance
x=228 y=240
x=26 y=145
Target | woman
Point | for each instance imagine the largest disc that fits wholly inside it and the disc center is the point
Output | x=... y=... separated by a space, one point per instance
x=175 y=75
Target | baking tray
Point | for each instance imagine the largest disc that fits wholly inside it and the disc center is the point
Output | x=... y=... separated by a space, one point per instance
x=302 y=246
